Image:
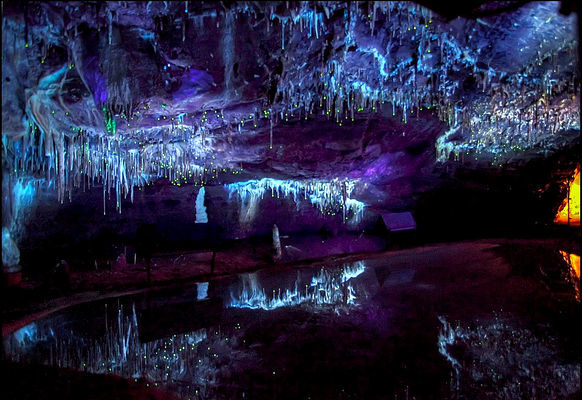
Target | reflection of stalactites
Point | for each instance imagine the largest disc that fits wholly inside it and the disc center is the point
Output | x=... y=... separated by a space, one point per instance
x=447 y=337
x=352 y=270
x=327 y=288
x=120 y=350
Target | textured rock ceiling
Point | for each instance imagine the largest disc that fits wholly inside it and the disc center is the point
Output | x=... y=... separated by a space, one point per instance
x=122 y=93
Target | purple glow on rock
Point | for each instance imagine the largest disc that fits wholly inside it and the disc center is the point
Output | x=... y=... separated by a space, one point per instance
x=96 y=81
x=380 y=168
x=194 y=82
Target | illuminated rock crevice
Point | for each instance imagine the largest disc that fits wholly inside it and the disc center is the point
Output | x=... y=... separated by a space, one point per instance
x=569 y=211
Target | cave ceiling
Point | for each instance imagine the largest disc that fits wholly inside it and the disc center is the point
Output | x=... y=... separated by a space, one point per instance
x=123 y=93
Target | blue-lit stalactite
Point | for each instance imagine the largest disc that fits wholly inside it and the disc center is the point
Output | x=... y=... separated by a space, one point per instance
x=330 y=197
x=497 y=122
x=82 y=160
x=513 y=111
x=18 y=202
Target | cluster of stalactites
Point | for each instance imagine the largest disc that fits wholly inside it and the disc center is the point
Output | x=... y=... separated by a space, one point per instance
x=512 y=119
x=512 y=111
x=82 y=160
x=340 y=94
x=331 y=197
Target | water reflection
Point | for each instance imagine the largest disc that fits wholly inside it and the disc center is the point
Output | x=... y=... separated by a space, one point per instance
x=328 y=287
x=498 y=355
x=342 y=334
x=169 y=361
x=573 y=261
x=193 y=364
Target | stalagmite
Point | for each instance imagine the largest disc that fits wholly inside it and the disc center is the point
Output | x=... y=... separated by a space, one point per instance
x=276 y=243
x=201 y=216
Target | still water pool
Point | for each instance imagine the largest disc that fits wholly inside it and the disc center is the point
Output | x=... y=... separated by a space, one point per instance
x=360 y=330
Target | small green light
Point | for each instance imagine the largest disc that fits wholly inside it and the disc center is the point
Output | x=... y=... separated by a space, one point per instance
x=26 y=45
x=163 y=106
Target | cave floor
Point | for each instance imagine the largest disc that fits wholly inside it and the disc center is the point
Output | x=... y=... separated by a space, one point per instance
x=491 y=318
x=34 y=299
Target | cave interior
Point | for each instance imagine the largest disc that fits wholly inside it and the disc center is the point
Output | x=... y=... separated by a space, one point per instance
x=375 y=199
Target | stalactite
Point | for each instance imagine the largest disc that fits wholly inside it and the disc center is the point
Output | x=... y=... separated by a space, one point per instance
x=184 y=28
x=315 y=22
x=323 y=195
x=270 y=133
x=283 y=33
x=110 y=26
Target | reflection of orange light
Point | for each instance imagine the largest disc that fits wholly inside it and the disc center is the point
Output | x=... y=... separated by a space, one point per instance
x=569 y=212
x=573 y=261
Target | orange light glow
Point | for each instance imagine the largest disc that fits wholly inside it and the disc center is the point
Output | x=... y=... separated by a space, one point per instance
x=573 y=261
x=569 y=212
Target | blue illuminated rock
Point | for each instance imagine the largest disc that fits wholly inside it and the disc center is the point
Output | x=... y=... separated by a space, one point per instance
x=10 y=253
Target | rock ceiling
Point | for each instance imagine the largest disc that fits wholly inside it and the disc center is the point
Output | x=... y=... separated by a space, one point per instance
x=122 y=93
